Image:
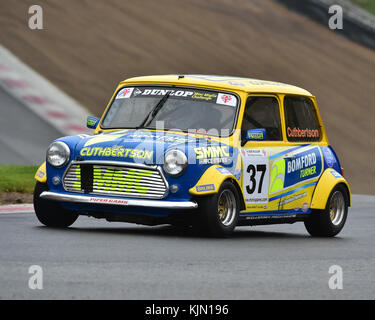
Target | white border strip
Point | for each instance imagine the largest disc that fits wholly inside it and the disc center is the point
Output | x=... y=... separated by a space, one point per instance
x=41 y=96
x=17 y=208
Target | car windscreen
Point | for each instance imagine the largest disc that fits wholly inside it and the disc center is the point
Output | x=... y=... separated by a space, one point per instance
x=183 y=109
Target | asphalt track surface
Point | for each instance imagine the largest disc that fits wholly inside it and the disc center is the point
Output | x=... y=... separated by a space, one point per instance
x=96 y=259
x=24 y=137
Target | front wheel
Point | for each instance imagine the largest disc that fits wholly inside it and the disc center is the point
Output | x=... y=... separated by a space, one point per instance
x=330 y=221
x=50 y=213
x=218 y=214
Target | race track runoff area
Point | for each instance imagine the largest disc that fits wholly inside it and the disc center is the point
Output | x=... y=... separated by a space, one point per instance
x=97 y=259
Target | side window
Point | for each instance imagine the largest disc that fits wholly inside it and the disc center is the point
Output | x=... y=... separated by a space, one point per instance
x=301 y=119
x=263 y=112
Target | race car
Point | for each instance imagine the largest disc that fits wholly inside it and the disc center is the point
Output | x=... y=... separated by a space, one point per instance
x=198 y=151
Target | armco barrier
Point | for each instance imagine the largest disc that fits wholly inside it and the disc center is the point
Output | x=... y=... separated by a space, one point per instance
x=359 y=25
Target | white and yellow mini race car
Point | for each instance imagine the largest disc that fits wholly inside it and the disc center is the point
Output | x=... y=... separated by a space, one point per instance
x=210 y=152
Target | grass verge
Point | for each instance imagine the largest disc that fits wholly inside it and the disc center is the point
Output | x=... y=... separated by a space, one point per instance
x=368 y=5
x=14 y=178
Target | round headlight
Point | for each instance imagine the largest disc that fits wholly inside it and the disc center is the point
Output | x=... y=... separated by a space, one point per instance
x=58 y=154
x=175 y=162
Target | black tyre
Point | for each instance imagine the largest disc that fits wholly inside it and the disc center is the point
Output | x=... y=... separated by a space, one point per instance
x=330 y=221
x=50 y=213
x=218 y=214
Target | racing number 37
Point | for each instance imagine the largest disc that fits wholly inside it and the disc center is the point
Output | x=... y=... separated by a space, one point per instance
x=256 y=176
x=252 y=170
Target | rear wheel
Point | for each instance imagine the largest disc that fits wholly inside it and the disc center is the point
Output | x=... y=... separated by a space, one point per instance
x=218 y=214
x=330 y=221
x=50 y=213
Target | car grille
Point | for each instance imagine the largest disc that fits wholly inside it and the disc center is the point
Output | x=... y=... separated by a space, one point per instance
x=139 y=181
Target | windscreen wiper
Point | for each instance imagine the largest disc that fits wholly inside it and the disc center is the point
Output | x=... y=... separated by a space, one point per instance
x=154 y=111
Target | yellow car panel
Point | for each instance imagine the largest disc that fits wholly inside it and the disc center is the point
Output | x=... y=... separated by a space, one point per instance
x=41 y=173
x=327 y=182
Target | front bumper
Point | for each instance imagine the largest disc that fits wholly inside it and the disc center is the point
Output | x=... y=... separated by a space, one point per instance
x=87 y=199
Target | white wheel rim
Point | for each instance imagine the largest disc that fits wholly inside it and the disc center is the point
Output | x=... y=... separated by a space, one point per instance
x=227 y=207
x=337 y=208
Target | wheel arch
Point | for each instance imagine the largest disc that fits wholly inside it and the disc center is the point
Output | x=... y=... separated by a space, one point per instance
x=240 y=194
x=211 y=181
x=327 y=182
x=345 y=185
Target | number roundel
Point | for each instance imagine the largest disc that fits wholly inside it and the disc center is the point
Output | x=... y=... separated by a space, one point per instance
x=256 y=176
x=253 y=171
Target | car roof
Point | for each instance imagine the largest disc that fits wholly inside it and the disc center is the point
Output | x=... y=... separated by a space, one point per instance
x=224 y=82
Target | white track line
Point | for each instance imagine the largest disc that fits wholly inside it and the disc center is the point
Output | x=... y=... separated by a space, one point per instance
x=41 y=96
x=16 y=208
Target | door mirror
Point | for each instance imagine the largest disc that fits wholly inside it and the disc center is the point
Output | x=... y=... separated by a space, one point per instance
x=92 y=122
x=256 y=135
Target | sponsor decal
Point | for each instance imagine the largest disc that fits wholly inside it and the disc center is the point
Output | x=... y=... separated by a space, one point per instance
x=163 y=92
x=116 y=152
x=102 y=138
x=139 y=136
x=108 y=201
x=215 y=161
x=304 y=166
x=188 y=138
x=293 y=198
x=237 y=174
x=125 y=93
x=328 y=156
x=305 y=207
x=308 y=172
x=236 y=83
x=172 y=139
x=301 y=162
x=254 y=152
x=302 y=133
x=137 y=92
x=213 y=78
x=256 y=82
x=298 y=168
x=206 y=187
x=115 y=181
x=336 y=174
x=255 y=135
x=190 y=94
x=142 y=136
x=211 y=152
x=263 y=217
x=256 y=206
x=284 y=216
x=206 y=96
x=111 y=180
x=226 y=99
x=40 y=174
x=223 y=170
